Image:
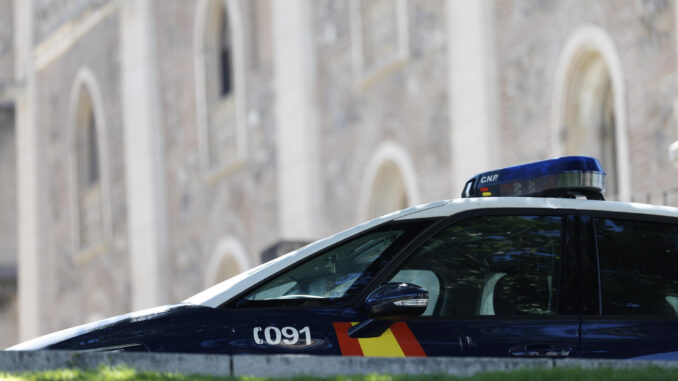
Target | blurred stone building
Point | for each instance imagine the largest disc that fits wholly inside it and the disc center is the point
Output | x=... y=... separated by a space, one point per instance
x=149 y=149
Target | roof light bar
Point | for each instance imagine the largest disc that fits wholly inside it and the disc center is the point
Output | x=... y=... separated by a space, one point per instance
x=565 y=177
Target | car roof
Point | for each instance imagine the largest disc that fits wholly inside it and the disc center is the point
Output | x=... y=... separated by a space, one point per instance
x=460 y=205
x=224 y=291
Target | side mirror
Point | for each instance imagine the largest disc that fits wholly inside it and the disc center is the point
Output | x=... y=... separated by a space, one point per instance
x=396 y=301
x=392 y=301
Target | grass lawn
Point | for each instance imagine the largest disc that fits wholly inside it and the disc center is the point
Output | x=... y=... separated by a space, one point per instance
x=124 y=374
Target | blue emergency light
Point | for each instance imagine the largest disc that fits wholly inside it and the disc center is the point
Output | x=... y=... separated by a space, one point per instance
x=564 y=177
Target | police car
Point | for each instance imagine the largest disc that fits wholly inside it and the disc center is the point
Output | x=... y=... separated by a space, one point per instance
x=530 y=262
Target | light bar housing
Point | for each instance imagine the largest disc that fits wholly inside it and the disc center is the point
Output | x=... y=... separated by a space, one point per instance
x=564 y=177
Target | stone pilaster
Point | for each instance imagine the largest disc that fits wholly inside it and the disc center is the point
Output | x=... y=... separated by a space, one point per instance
x=472 y=89
x=297 y=136
x=28 y=179
x=146 y=205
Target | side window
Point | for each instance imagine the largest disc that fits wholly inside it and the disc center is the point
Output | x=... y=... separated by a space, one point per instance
x=491 y=265
x=638 y=267
x=329 y=275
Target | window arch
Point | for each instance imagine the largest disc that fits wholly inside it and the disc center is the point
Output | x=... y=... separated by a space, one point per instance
x=588 y=120
x=589 y=114
x=389 y=184
x=220 y=83
x=88 y=162
x=87 y=143
x=228 y=259
x=218 y=52
x=388 y=191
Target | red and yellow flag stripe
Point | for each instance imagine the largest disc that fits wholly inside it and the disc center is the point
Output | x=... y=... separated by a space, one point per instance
x=397 y=341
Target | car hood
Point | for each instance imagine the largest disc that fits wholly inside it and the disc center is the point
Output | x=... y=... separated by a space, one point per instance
x=45 y=341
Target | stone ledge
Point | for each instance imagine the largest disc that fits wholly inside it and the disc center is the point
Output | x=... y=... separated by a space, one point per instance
x=20 y=361
x=615 y=364
x=286 y=366
x=293 y=365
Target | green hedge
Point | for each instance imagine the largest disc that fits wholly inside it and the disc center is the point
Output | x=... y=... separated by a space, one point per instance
x=602 y=374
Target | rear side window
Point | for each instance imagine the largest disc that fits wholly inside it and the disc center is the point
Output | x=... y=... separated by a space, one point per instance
x=487 y=266
x=638 y=267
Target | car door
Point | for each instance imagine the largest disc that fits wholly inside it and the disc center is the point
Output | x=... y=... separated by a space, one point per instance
x=499 y=284
x=637 y=295
x=292 y=311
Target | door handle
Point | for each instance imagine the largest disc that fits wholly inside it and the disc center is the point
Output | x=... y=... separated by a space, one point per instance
x=540 y=350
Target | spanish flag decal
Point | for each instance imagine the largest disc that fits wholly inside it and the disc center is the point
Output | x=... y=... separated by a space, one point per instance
x=397 y=341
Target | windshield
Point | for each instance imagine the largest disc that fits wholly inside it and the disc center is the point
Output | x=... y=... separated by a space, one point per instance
x=329 y=275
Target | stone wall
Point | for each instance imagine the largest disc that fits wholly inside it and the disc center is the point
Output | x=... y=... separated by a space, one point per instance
x=8 y=187
x=51 y=14
x=531 y=36
x=239 y=202
x=79 y=286
x=6 y=44
x=363 y=99
x=404 y=102
x=8 y=231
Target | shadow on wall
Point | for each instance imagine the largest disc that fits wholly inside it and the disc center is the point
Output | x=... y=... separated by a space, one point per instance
x=281 y=248
x=8 y=305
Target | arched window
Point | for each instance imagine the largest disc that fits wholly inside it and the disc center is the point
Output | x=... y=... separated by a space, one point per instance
x=219 y=69
x=218 y=52
x=88 y=173
x=225 y=54
x=588 y=120
x=388 y=191
x=589 y=107
x=390 y=182
x=227 y=268
x=228 y=259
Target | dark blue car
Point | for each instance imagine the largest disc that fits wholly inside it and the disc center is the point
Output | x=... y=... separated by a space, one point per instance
x=552 y=270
